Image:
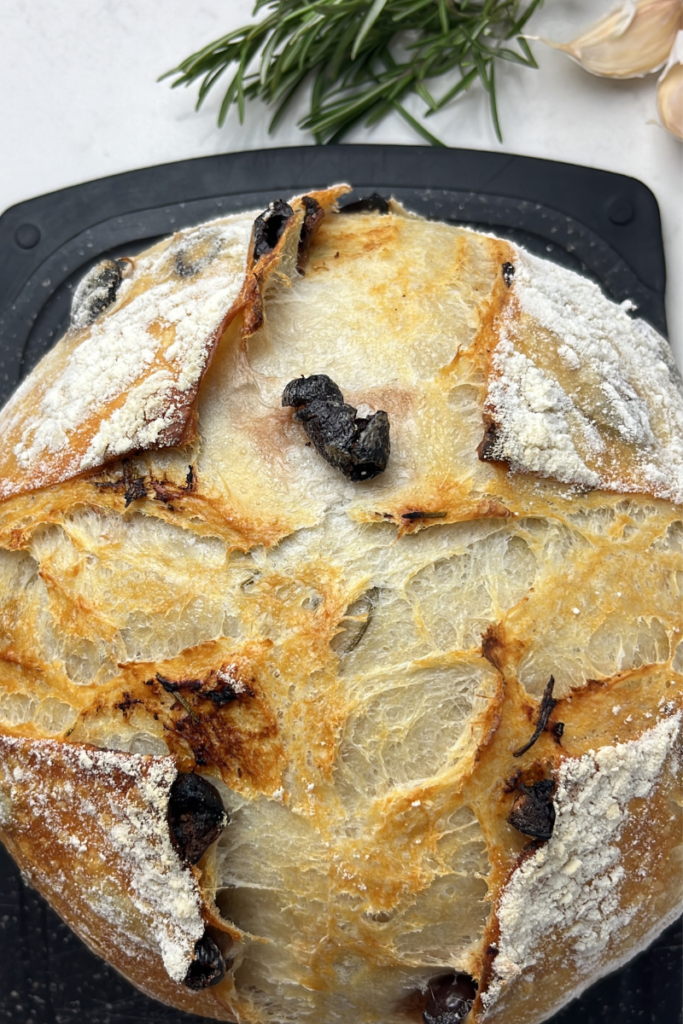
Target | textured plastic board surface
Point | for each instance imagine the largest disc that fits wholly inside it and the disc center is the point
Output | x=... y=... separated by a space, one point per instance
x=604 y=225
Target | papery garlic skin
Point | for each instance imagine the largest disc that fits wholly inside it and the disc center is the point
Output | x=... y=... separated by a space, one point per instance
x=670 y=90
x=630 y=42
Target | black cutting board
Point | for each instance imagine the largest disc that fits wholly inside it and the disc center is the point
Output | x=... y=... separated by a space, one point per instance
x=604 y=225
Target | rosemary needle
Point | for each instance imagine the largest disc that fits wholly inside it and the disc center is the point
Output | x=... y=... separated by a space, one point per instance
x=361 y=59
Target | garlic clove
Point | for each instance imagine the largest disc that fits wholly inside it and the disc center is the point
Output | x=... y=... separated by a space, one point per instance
x=630 y=42
x=670 y=90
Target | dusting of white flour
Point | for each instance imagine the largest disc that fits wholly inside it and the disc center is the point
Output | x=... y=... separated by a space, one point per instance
x=572 y=883
x=122 y=353
x=131 y=828
x=622 y=374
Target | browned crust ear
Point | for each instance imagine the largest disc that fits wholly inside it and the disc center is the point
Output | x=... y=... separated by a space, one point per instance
x=610 y=415
x=123 y=406
x=643 y=850
x=285 y=258
x=84 y=406
x=88 y=829
x=651 y=894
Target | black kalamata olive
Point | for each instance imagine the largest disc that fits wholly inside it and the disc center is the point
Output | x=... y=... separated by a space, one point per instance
x=208 y=966
x=96 y=292
x=313 y=218
x=269 y=226
x=533 y=812
x=196 y=816
x=136 y=488
x=196 y=252
x=358 y=447
x=374 y=203
x=318 y=387
x=450 y=999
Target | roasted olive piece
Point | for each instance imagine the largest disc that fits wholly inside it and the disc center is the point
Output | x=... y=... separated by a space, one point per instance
x=269 y=226
x=96 y=292
x=208 y=966
x=313 y=218
x=357 y=446
x=489 y=448
x=196 y=816
x=533 y=812
x=136 y=487
x=450 y=999
x=374 y=203
x=196 y=253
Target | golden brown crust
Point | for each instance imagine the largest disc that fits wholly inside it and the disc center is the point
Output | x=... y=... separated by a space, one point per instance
x=356 y=665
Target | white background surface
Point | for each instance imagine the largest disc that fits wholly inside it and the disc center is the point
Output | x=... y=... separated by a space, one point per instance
x=80 y=100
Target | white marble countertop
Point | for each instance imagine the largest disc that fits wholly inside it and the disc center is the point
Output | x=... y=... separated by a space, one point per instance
x=80 y=101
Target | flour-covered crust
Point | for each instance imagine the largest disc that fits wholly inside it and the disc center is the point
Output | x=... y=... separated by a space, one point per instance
x=341 y=622
x=582 y=392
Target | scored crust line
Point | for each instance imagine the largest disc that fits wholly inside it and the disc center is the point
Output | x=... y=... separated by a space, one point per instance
x=571 y=884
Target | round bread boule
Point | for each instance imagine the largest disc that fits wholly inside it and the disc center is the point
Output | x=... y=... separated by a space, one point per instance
x=364 y=707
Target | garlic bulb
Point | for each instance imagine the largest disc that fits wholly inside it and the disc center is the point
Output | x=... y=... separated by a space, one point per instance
x=629 y=42
x=670 y=90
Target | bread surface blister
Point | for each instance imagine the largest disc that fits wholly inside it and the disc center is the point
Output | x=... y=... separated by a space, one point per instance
x=341 y=651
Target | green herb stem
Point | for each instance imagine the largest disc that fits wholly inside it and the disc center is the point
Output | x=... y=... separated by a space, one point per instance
x=361 y=58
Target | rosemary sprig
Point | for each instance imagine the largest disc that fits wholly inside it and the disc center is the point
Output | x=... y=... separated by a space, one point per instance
x=361 y=58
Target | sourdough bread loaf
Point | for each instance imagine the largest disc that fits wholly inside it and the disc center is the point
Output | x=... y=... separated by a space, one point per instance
x=341 y=622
